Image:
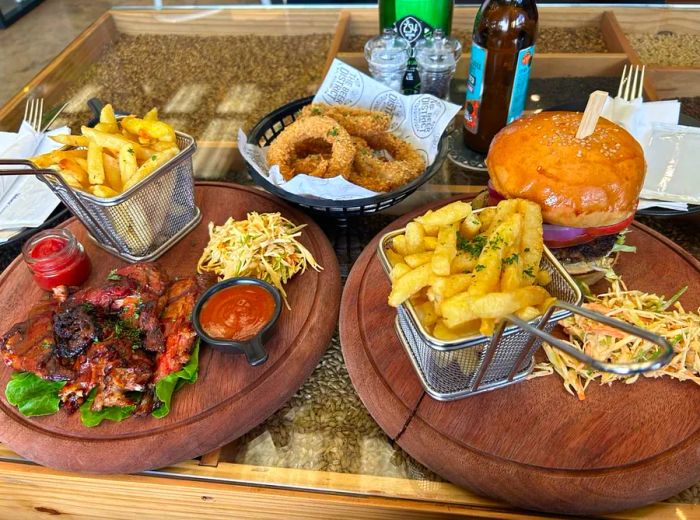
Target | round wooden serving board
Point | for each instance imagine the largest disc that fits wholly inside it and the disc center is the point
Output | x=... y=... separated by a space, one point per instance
x=532 y=444
x=230 y=396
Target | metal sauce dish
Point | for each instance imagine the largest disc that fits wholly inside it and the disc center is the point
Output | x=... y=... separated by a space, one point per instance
x=253 y=348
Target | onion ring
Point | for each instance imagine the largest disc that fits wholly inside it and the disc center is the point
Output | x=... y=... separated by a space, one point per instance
x=378 y=174
x=359 y=122
x=283 y=150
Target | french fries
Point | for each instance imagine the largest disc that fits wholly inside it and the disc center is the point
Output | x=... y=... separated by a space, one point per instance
x=113 y=156
x=463 y=272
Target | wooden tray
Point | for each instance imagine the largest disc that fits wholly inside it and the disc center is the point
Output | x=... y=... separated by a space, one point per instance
x=532 y=444
x=230 y=396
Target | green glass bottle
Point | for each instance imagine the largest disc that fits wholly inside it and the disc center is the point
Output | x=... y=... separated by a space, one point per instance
x=414 y=20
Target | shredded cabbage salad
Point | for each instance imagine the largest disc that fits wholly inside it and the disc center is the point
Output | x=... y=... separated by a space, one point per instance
x=667 y=318
x=264 y=246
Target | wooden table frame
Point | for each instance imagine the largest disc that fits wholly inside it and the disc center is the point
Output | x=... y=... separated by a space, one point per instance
x=208 y=488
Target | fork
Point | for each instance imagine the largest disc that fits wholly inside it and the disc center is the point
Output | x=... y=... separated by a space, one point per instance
x=33 y=113
x=631 y=86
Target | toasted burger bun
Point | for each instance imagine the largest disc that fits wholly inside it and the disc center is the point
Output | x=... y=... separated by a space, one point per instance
x=583 y=183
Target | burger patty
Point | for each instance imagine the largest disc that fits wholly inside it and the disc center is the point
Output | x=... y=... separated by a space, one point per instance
x=596 y=248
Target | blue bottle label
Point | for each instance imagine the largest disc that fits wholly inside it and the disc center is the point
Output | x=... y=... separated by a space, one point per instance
x=522 y=76
x=475 y=87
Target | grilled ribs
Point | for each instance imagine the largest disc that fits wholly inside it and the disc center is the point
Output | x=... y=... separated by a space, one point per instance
x=118 y=339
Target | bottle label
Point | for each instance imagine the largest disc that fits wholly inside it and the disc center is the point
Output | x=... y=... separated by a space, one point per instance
x=412 y=29
x=475 y=87
x=522 y=76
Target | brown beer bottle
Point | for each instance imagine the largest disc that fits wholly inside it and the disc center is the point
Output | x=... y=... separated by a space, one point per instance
x=503 y=45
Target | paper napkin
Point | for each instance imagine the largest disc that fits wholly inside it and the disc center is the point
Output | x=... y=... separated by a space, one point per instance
x=24 y=200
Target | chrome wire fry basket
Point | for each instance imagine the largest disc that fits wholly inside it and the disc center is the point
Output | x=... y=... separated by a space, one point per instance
x=451 y=370
x=141 y=223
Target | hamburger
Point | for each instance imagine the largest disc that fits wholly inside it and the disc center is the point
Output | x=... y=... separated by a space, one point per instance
x=588 y=188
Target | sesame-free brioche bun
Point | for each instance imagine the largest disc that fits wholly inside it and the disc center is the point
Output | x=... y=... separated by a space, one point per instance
x=582 y=183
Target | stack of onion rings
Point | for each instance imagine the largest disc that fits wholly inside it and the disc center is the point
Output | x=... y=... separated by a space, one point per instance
x=330 y=140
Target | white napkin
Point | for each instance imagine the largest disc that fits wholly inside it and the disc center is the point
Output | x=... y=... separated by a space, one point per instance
x=672 y=164
x=419 y=119
x=643 y=121
x=651 y=203
x=637 y=117
x=24 y=200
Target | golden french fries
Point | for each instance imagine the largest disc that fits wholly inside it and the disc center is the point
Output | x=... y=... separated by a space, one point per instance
x=95 y=168
x=71 y=140
x=115 y=155
x=464 y=272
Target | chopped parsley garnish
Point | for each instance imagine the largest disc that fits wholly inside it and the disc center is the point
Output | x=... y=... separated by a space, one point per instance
x=113 y=275
x=496 y=242
x=333 y=131
x=479 y=267
x=526 y=250
x=529 y=272
x=511 y=259
x=130 y=150
x=316 y=111
x=123 y=330
x=87 y=306
x=153 y=157
x=473 y=246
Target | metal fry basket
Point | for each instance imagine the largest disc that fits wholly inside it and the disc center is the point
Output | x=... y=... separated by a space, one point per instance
x=451 y=370
x=141 y=223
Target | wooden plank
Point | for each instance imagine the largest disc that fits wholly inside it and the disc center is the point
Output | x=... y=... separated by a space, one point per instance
x=211 y=458
x=653 y=19
x=616 y=40
x=27 y=490
x=208 y=22
x=53 y=80
x=339 y=40
x=544 y=65
x=675 y=82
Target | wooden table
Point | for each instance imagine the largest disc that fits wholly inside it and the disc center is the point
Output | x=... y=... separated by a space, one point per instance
x=236 y=480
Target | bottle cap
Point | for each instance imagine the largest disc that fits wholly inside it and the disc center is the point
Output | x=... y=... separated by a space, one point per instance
x=438 y=52
x=387 y=51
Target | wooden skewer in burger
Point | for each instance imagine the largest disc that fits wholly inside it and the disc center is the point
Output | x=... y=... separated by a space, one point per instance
x=588 y=187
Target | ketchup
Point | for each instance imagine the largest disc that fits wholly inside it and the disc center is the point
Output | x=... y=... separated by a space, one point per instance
x=56 y=258
x=238 y=312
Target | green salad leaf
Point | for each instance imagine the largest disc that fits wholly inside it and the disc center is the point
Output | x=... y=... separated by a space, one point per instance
x=173 y=382
x=33 y=395
x=110 y=413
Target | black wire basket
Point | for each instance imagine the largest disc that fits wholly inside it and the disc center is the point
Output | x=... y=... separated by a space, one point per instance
x=270 y=127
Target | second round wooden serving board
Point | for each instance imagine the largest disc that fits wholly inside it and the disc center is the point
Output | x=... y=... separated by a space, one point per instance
x=532 y=444
x=229 y=398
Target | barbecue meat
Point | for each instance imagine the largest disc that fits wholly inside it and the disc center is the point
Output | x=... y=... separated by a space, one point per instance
x=75 y=328
x=30 y=346
x=137 y=292
x=114 y=368
x=117 y=340
x=177 y=327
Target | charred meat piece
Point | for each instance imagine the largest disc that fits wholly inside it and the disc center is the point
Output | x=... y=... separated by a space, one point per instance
x=177 y=327
x=147 y=276
x=30 y=345
x=105 y=297
x=114 y=368
x=75 y=328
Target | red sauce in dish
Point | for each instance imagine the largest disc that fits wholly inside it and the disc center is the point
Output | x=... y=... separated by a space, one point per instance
x=56 y=258
x=238 y=312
